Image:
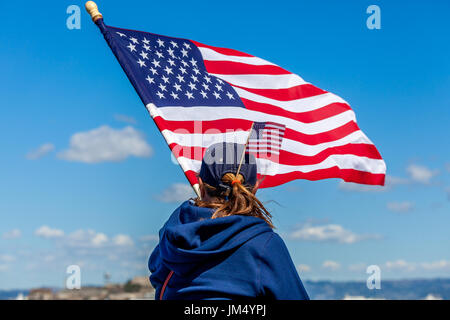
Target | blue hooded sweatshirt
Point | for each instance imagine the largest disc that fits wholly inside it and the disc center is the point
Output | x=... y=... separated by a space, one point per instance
x=232 y=257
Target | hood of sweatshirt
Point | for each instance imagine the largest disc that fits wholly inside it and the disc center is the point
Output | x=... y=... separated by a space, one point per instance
x=190 y=238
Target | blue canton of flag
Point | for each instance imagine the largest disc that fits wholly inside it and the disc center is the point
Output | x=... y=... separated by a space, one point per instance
x=169 y=71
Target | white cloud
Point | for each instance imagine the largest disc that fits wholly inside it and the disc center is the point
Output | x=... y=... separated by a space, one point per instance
x=125 y=118
x=400 y=265
x=389 y=183
x=349 y=297
x=86 y=239
x=358 y=267
x=301 y=268
x=177 y=192
x=436 y=265
x=392 y=181
x=332 y=265
x=327 y=232
x=122 y=240
x=356 y=187
x=40 y=151
x=12 y=234
x=401 y=207
x=7 y=258
x=149 y=237
x=431 y=296
x=47 y=232
x=106 y=144
x=420 y=173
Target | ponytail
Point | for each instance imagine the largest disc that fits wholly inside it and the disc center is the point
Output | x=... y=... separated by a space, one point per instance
x=233 y=197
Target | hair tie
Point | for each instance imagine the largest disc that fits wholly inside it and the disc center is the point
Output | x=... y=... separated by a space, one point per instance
x=235 y=181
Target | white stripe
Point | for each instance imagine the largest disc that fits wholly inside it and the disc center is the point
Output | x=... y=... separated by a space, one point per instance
x=299 y=105
x=262 y=81
x=205 y=140
x=219 y=113
x=346 y=161
x=212 y=55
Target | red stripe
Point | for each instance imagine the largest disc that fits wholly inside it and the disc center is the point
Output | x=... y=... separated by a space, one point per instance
x=191 y=176
x=165 y=284
x=324 y=112
x=226 y=51
x=222 y=125
x=287 y=94
x=289 y=158
x=230 y=67
x=327 y=136
x=348 y=175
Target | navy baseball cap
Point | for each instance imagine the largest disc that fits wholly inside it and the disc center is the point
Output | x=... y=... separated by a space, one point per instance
x=221 y=158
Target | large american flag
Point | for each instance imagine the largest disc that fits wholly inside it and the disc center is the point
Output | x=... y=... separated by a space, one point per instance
x=199 y=95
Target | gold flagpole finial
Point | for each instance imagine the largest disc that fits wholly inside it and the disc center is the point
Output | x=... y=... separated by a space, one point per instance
x=92 y=9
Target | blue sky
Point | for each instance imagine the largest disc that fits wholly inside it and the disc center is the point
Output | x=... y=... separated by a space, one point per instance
x=101 y=207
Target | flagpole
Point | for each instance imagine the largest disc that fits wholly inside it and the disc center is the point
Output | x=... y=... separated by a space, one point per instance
x=243 y=152
x=92 y=9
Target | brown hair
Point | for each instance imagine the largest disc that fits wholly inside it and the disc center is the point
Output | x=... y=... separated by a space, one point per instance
x=234 y=198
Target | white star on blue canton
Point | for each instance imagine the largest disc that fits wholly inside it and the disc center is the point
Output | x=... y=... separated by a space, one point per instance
x=144 y=55
x=155 y=63
x=160 y=42
x=153 y=70
x=162 y=87
x=192 y=86
x=168 y=70
x=184 y=52
x=182 y=70
x=189 y=95
x=180 y=78
x=160 y=95
x=132 y=47
x=141 y=63
x=177 y=87
x=230 y=96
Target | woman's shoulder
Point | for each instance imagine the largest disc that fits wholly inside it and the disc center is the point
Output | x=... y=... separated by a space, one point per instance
x=267 y=239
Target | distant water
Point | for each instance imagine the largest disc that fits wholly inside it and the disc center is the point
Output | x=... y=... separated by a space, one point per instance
x=416 y=289
x=328 y=290
x=12 y=294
